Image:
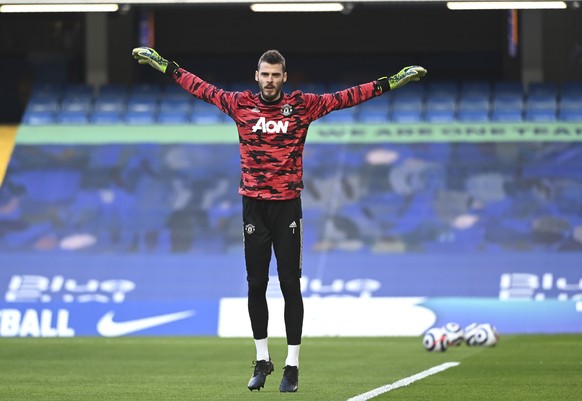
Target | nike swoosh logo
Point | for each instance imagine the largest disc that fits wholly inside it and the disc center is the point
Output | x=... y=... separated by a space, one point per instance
x=107 y=327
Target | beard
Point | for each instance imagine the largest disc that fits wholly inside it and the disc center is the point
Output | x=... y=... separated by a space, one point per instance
x=273 y=93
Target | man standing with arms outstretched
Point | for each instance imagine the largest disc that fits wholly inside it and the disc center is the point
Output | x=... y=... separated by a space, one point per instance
x=272 y=127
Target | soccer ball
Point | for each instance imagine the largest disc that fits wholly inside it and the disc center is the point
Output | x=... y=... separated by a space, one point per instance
x=481 y=334
x=435 y=340
x=455 y=334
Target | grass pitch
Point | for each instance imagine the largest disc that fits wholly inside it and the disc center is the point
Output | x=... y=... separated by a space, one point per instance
x=200 y=368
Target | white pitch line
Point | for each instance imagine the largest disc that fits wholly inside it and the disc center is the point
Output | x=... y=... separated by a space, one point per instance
x=404 y=382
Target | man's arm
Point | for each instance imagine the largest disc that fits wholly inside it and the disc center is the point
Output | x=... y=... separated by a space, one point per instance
x=191 y=83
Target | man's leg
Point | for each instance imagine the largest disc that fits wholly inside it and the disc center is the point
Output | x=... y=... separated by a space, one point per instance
x=257 y=249
x=287 y=242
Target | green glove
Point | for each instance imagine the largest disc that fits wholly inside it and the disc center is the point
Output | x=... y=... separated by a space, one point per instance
x=146 y=55
x=407 y=74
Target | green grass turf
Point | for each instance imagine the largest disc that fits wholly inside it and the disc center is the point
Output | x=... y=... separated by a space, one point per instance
x=201 y=368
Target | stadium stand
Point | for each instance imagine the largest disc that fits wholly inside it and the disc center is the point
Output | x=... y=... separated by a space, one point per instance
x=470 y=101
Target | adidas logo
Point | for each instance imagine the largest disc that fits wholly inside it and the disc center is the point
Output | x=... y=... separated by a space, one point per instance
x=256 y=110
x=293 y=225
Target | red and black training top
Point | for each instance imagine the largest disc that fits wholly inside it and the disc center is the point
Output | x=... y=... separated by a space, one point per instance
x=272 y=134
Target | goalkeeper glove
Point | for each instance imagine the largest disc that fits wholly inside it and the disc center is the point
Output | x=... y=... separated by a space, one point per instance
x=147 y=55
x=407 y=74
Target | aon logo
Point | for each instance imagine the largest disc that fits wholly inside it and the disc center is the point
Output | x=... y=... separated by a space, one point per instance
x=271 y=127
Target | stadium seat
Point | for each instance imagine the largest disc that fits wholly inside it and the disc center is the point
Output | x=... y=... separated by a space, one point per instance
x=207 y=117
x=106 y=117
x=78 y=117
x=475 y=88
x=109 y=104
x=572 y=115
x=177 y=103
x=570 y=101
x=412 y=103
x=541 y=101
x=143 y=103
x=173 y=117
x=504 y=101
x=542 y=89
x=540 y=115
x=507 y=115
x=510 y=89
x=43 y=103
x=406 y=116
x=473 y=102
x=473 y=116
x=440 y=116
x=39 y=118
x=373 y=116
x=440 y=103
x=132 y=117
x=77 y=102
x=445 y=88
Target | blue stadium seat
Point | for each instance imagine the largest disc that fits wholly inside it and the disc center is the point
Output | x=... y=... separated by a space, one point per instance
x=173 y=117
x=541 y=101
x=406 y=116
x=132 y=117
x=109 y=104
x=570 y=101
x=183 y=104
x=473 y=116
x=207 y=116
x=572 y=88
x=440 y=116
x=475 y=88
x=502 y=89
x=106 y=117
x=72 y=117
x=508 y=101
x=373 y=116
x=43 y=103
x=445 y=88
x=571 y=115
x=540 y=115
x=507 y=115
x=38 y=118
x=412 y=103
x=142 y=103
x=77 y=102
x=440 y=102
x=473 y=101
x=542 y=89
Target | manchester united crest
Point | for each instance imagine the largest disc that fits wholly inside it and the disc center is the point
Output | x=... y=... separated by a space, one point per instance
x=287 y=110
x=249 y=229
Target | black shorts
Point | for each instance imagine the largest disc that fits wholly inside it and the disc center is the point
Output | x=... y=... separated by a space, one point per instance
x=277 y=225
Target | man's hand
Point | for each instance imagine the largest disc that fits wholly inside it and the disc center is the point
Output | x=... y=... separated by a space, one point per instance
x=407 y=74
x=146 y=55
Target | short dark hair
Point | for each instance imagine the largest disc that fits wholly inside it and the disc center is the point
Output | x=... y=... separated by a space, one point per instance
x=272 y=57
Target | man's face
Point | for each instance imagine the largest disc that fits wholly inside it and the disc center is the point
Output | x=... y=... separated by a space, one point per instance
x=270 y=78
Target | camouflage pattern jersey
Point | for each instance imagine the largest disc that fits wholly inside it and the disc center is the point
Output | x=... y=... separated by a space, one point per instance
x=272 y=134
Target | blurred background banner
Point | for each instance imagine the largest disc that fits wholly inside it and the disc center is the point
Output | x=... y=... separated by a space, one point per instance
x=350 y=295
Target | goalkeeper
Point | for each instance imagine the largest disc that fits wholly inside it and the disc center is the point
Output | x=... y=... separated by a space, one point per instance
x=272 y=127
